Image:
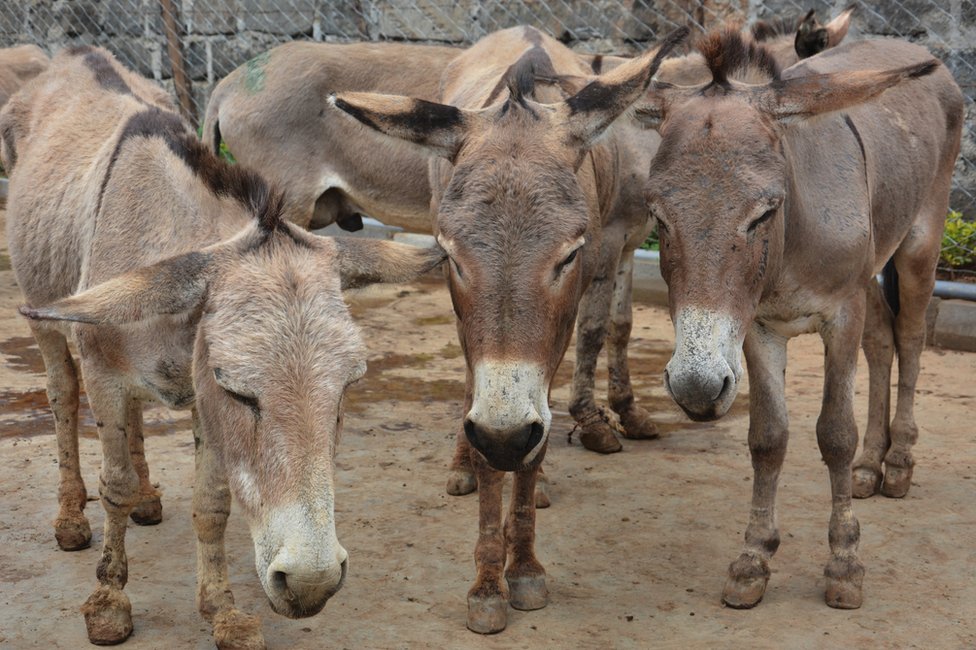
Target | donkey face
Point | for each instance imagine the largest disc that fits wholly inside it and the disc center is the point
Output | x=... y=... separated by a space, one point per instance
x=521 y=225
x=274 y=352
x=718 y=187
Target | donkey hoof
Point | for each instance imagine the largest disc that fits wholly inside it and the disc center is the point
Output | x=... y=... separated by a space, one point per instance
x=527 y=593
x=843 y=593
x=461 y=482
x=235 y=630
x=897 y=481
x=599 y=437
x=487 y=615
x=72 y=534
x=148 y=513
x=637 y=425
x=865 y=482
x=108 y=616
x=542 y=499
x=746 y=584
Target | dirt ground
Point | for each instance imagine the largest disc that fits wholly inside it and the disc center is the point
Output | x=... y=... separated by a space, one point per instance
x=636 y=544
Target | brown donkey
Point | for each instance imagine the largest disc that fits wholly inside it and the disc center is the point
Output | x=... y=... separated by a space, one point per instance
x=773 y=225
x=193 y=292
x=522 y=192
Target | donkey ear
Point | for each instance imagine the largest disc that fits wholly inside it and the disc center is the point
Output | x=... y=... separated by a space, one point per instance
x=789 y=100
x=440 y=128
x=594 y=108
x=169 y=287
x=367 y=261
x=837 y=28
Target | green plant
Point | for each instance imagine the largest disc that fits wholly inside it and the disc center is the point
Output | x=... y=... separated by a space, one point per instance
x=651 y=243
x=958 y=242
x=224 y=151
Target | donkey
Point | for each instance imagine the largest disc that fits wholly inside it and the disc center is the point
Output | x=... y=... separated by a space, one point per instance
x=773 y=224
x=522 y=192
x=190 y=289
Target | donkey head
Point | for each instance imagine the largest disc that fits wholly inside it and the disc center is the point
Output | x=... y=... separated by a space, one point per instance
x=717 y=188
x=520 y=222
x=275 y=349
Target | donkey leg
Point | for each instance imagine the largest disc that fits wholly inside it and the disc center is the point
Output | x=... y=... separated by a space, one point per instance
x=525 y=576
x=915 y=262
x=879 y=348
x=71 y=528
x=461 y=479
x=149 y=511
x=211 y=507
x=108 y=614
x=768 y=433
x=591 y=329
x=488 y=598
x=635 y=420
x=837 y=439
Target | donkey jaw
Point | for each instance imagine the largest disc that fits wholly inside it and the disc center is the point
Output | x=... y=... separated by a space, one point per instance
x=703 y=374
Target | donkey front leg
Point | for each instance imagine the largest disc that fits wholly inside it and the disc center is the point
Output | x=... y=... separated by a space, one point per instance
x=837 y=438
x=768 y=433
x=108 y=614
x=879 y=349
x=596 y=433
x=461 y=479
x=525 y=576
x=149 y=511
x=71 y=528
x=488 y=598
x=635 y=420
x=211 y=507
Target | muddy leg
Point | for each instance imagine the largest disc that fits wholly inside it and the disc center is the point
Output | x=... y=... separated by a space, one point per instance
x=596 y=433
x=71 y=528
x=108 y=614
x=487 y=598
x=768 y=434
x=635 y=420
x=525 y=576
x=211 y=507
x=879 y=348
x=461 y=479
x=837 y=439
x=149 y=512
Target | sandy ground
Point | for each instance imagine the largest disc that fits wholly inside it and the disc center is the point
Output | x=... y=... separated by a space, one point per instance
x=636 y=544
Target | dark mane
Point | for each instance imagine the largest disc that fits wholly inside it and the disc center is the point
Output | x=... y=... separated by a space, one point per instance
x=520 y=77
x=728 y=53
x=767 y=30
x=223 y=179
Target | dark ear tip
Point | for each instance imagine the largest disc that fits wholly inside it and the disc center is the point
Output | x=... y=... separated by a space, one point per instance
x=923 y=69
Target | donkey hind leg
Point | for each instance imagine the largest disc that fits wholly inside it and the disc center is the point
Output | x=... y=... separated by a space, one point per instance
x=768 y=433
x=488 y=597
x=149 y=510
x=211 y=507
x=635 y=420
x=879 y=349
x=837 y=439
x=596 y=430
x=915 y=262
x=71 y=528
x=108 y=614
x=525 y=576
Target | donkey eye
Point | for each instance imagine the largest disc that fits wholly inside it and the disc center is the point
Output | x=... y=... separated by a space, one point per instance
x=246 y=400
x=569 y=260
x=456 y=267
x=766 y=216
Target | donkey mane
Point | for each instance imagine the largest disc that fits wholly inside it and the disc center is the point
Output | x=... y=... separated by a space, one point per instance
x=235 y=181
x=728 y=54
x=520 y=77
x=767 y=30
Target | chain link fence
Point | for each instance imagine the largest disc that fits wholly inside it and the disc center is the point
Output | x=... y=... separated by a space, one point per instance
x=189 y=45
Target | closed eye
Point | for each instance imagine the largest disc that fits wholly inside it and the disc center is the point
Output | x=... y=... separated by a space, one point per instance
x=246 y=400
x=456 y=267
x=566 y=262
x=766 y=216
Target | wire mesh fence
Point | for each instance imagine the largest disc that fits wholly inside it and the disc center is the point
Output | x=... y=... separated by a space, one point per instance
x=189 y=45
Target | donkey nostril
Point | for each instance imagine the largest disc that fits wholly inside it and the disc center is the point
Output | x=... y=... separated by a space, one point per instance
x=470 y=432
x=279 y=580
x=726 y=385
x=535 y=435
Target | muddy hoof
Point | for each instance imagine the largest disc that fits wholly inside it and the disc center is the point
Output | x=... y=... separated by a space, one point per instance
x=637 y=425
x=865 y=482
x=844 y=579
x=542 y=499
x=487 y=615
x=461 y=482
x=72 y=534
x=235 y=630
x=108 y=616
x=746 y=584
x=599 y=437
x=897 y=481
x=149 y=512
x=527 y=593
